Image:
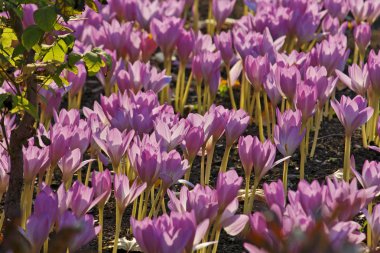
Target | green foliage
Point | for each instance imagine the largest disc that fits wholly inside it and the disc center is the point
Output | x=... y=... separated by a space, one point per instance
x=31 y=36
x=51 y=57
x=45 y=18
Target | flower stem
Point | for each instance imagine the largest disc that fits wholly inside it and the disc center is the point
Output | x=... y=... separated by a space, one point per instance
x=196 y=15
x=188 y=172
x=246 y=195
x=266 y=111
x=259 y=116
x=223 y=166
x=155 y=201
x=303 y=159
x=117 y=231
x=364 y=137
x=183 y=101
x=178 y=94
x=347 y=152
x=230 y=88
x=199 y=96
x=100 y=236
x=88 y=173
x=285 y=176
x=253 y=194
x=202 y=179
x=369 y=232
x=318 y=121
x=210 y=157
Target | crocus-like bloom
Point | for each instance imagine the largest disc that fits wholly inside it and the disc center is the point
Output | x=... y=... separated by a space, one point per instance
x=288 y=78
x=287 y=133
x=223 y=43
x=185 y=45
x=215 y=120
x=101 y=182
x=236 y=125
x=306 y=99
x=67 y=118
x=370 y=174
x=256 y=155
x=70 y=163
x=331 y=53
x=193 y=141
x=222 y=9
x=274 y=194
x=124 y=193
x=337 y=8
x=257 y=69
x=141 y=75
x=35 y=160
x=145 y=156
x=178 y=232
x=38 y=229
x=272 y=90
x=84 y=224
x=172 y=168
x=114 y=143
x=373 y=64
x=210 y=69
x=146 y=10
x=77 y=80
x=358 y=79
x=317 y=77
x=227 y=187
x=166 y=33
x=352 y=113
x=170 y=138
x=81 y=198
x=143 y=111
x=362 y=35
x=202 y=200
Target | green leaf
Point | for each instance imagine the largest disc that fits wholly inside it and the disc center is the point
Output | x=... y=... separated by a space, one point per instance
x=93 y=63
x=59 y=49
x=73 y=58
x=19 y=50
x=31 y=36
x=92 y=5
x=21 y=104
x=45 y=18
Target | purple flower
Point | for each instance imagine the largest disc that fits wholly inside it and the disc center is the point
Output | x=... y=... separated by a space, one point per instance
x=370 y=174
x=173 y=233
x=222 y=9
x=362 y=35
x=38 y=229
x=124 y=193
x=35 y=161
x=306 y=99
x=166 y=33
x=288 y=78
x=4 y=170
x=145 y=156
x=317 y=77
x=172 y=168
x=236 y=125
x=146 y=10
x=81 y=198
x=337 y=8
x=257 y=69
x=202 y=200
x=352 y=113
x=358 y=79
x=70 y=163
x=373 y=64
x=223 y=43
x=287 y=133
x=272 y=90
x=227 y=187
x=141 y=75
x=275 y=195
x=193 y=141
x=114 y=143
x=185 y=45
x=101 y=183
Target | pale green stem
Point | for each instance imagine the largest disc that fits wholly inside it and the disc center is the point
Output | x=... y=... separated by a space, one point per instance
x=183 y=102
x=347 y=153
x=230 y=87
x=285 y=176
x=246 y=195
x=202 y=179
x=369 y=232
x=88 y=173
x=318 y=120
x=259 y=116
x=117 y=231
x=223 y=166
x=100 y=235
x=210 y=156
